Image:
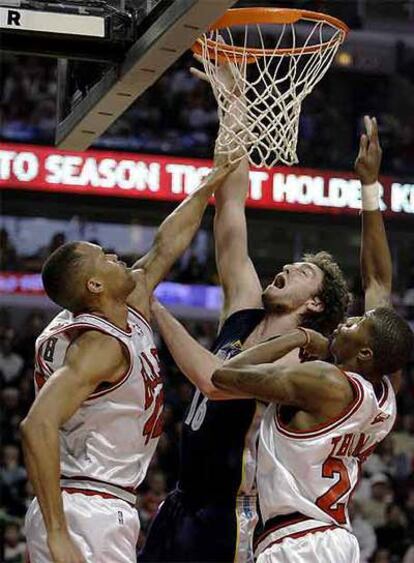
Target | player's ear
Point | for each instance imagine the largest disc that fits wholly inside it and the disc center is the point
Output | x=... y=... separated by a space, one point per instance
x=365 y=355
x=315 y=304
x=94 y=286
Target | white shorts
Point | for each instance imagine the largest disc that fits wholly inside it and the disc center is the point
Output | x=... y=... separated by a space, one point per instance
x=332 y=546
x=105 y=530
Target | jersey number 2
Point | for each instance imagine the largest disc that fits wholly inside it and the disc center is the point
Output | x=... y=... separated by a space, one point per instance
x=332 y=467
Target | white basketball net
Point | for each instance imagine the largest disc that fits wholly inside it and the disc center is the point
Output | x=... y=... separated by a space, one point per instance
x=259 y=96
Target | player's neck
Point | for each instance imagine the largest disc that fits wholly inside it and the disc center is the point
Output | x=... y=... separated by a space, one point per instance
x=115 y=312
x=373 y=377
x=273 y=324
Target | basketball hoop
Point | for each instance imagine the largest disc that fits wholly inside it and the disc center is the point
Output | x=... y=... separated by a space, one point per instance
x=262 y=63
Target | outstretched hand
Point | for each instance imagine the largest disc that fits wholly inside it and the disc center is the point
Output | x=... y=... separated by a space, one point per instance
x=227 y=77
x=368 y=162
x=226 y=73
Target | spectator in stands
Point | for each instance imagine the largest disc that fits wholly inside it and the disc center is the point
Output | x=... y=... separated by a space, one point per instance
x=363 y=531
x=381 y=495
x=14 y=544
x=393 y=535
x=382 y=556
x=409 y=510
x=12 y=470
x=8 y=255
x=192 y=272
x=32 y=327
x=152 y=498
x=11 y=364
x=386 y=460
x=403 y=437
x=12 y=477
x=57 y=240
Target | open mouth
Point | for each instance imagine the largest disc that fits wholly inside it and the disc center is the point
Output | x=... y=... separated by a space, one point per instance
x=280 y=281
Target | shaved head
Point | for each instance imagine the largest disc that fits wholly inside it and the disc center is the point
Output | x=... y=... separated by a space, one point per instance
x=63 y=274
x=80 y=275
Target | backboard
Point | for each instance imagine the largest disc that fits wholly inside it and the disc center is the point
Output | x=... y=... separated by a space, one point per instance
x=91 y=96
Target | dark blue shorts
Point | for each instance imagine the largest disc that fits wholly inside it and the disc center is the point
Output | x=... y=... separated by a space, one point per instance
x=185 y=532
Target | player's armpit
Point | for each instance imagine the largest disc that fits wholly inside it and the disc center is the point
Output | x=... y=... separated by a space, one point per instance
x=315 y=387
x=377 y=295
x=139 y=299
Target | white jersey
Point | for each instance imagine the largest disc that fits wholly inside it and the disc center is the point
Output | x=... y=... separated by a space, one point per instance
x=315 y=472
x=106 y=446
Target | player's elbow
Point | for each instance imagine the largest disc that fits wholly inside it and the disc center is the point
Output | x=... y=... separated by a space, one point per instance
x=32 y=428
x=28 y=429
x=220 y=378
x=211 y=392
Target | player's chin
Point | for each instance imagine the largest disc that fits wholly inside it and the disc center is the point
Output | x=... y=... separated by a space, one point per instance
x=271 y=297
x=131 y=282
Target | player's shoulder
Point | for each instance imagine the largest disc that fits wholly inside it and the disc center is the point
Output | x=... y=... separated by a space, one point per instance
x=242 y=320
x=58 y=323
x=94 y=345
x=334 y=381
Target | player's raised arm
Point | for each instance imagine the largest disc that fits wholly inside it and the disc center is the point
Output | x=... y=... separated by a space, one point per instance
x=238 y=277
x=376 y=265
x=174 y=236
x=90 y=360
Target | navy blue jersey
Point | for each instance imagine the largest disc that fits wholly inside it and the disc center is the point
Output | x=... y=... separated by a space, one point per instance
x=215 y=433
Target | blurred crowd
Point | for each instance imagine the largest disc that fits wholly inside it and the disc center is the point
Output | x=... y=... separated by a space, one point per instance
x=191 y=270
x=382 y=507
x=178 y=114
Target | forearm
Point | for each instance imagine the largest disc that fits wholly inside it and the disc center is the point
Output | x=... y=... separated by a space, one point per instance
x=252 y=381
x=177 y=230
x=235 y=187
x=270 y=351
x=376 y=264
x=194 y=361
x=41 y=452
x=238 y=277
x=230 y=227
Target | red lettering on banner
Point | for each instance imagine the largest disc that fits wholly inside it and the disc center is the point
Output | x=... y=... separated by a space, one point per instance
x=27 y=167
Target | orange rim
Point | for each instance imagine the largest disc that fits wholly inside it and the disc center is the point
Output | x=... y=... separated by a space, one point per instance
x=251 y=16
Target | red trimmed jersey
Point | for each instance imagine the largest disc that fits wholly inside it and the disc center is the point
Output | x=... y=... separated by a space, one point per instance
x=113 y=435
x=315 y=472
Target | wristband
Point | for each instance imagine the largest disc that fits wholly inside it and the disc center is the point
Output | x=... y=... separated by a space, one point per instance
x=370 y=196
x=306 y=333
